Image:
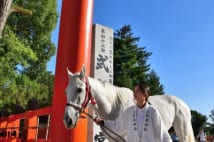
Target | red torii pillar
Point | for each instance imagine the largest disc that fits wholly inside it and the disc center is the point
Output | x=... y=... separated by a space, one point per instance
x=74 y=50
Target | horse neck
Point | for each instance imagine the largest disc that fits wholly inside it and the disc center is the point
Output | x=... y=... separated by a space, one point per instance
x=106 y=107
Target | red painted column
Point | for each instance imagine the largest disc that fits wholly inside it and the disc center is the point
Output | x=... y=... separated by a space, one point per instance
x=74 y=49
x=32 y=122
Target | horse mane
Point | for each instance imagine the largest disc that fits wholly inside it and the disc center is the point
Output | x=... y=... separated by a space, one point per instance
x=116 y=98
x=118 y=95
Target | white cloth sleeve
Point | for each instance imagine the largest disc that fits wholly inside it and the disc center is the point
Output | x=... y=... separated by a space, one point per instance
x=159 y=129
x=117 y=125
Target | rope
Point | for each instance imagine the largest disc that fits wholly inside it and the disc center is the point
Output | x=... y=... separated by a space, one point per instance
x=121 y=138
x=105 y=129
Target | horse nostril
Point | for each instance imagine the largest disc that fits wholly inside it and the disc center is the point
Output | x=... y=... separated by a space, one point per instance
x=69 y=121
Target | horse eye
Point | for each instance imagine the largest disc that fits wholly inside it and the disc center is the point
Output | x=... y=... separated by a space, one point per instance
x=79 y=90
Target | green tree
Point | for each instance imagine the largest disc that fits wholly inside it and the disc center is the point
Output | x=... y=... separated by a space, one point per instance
x=130 y=62
x=154 y=82
x=6 y=8
x=198 y=121
x=212 y=116
x=211 y=125
x=25 y=49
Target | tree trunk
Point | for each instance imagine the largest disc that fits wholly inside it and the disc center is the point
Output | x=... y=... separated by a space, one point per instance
x=5 y=6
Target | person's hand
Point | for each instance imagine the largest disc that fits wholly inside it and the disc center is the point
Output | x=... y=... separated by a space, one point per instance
x=99 y=121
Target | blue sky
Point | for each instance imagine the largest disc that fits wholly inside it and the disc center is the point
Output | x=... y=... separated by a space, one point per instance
x=180 y=35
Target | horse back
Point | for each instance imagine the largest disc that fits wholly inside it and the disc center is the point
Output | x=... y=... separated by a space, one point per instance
x=169 y=108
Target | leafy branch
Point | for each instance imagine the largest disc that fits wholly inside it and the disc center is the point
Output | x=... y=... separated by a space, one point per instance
x=6 y=8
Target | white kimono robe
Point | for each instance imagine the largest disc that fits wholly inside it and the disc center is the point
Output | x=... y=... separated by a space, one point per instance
x=146 y=128
x=202 y=136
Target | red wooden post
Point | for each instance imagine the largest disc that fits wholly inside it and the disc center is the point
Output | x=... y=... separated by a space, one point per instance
x=74 y=49
x=32 y=122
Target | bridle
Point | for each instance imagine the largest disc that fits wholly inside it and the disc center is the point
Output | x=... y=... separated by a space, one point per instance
x=88 y=97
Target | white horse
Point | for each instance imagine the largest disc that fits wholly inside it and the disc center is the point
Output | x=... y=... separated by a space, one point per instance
x=111 y=100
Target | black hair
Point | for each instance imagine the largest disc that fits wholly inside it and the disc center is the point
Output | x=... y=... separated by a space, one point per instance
x=144 y=88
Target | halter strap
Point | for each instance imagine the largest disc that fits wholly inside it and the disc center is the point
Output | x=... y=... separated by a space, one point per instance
x=76 y=107
x=88 y=96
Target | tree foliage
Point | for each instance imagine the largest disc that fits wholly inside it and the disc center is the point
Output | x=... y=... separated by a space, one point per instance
x=25 y=49
x=154 y=82
x=6 y=8
x=212 y=115
x=198 y=121
x=211 y=124
x=130 y=62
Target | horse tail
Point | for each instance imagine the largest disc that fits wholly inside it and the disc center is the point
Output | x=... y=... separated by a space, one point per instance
x=191 y=137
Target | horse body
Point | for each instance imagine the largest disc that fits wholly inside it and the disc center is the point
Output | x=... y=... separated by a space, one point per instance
x=112 y=100
x=176 y=113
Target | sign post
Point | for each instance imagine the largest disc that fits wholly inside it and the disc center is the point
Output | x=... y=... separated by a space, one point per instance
x=102 y=64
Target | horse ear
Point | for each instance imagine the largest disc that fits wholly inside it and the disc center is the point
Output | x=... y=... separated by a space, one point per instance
x=82 y=73
x=69 y=73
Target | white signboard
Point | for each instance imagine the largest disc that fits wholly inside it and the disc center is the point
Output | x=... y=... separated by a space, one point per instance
x=102 y=64
x=102 y=54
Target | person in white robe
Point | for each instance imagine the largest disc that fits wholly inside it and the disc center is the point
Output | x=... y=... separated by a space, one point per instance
x=141 y=122
x=202 y=135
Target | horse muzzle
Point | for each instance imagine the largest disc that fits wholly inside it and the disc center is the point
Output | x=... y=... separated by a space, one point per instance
x=70 y=120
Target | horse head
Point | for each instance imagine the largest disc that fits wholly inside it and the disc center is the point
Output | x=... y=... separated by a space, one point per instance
x=78 y=96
